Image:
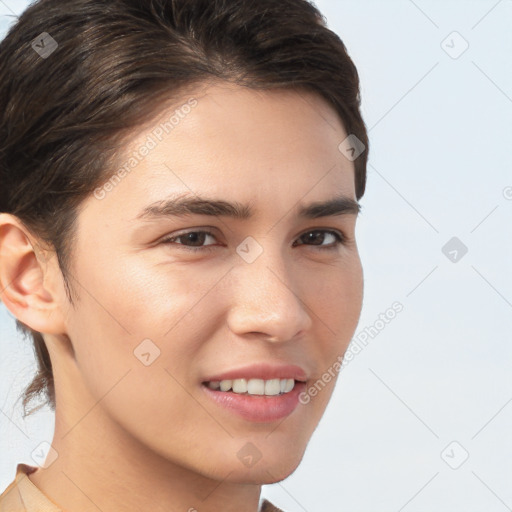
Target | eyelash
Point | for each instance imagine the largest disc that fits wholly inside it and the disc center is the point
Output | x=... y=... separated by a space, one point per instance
x=340 y=240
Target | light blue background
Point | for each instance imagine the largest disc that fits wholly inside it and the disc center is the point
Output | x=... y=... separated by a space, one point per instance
x=440 y=163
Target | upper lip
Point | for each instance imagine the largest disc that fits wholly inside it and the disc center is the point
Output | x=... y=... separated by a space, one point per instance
x=263 y=371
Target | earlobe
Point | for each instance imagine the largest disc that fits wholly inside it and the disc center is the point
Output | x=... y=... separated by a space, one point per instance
x=22 y=278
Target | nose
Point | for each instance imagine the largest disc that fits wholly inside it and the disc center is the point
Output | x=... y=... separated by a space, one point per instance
x=266 y=299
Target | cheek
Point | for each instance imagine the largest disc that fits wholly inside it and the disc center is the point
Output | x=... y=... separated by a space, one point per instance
x=118 y=309
x=124 y=305
x=335 y=296
x=138 y=298
x=336 y=304
x=134 y=300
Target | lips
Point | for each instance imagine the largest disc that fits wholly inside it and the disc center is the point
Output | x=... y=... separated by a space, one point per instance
x=251 y=405
x=257 y=408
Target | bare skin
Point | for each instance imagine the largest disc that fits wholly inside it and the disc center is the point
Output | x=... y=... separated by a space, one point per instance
x=132 y=437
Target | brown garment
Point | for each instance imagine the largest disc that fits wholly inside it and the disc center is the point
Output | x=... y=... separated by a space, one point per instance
x=23 y=496
x=266 y=506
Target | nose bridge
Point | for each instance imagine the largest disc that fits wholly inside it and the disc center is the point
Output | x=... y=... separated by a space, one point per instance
x=265 y=297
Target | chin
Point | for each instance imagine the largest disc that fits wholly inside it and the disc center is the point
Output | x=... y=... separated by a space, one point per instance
x=265 y=472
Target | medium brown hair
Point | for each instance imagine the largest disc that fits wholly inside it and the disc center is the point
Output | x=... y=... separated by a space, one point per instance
x=64 y=115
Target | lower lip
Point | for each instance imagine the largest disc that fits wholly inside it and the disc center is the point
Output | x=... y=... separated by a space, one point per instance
x=258 y=408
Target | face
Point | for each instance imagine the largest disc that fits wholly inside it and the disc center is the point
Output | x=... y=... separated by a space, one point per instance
x=169 y=300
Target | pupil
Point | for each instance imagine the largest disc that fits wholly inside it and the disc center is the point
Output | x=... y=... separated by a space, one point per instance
x=315 y=235
x=192 y=237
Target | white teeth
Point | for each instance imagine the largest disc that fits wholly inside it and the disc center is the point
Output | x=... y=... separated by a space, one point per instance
x=239 y=386
x=272 y=387
x=225 y=385
x=256 y=387
x=290 y=383
x=269 y=387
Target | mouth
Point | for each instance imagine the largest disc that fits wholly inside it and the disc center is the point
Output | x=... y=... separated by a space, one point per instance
x=262 y=392
x=256 y=400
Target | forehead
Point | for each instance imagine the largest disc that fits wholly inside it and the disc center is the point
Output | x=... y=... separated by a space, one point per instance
x=248 y=145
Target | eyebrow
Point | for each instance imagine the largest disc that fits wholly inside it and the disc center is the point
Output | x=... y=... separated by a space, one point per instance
x=181 y=206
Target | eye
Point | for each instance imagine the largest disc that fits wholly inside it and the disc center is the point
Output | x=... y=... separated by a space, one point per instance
x=318 y=235
x=197 y=238
x=191 y=236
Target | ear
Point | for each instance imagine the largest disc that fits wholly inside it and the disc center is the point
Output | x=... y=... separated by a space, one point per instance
x=24 y=270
